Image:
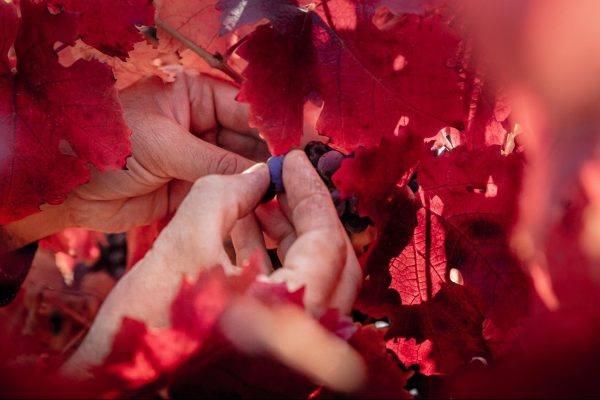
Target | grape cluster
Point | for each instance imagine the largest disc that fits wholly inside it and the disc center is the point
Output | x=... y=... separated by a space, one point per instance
x=113 y=257
x=327 y=161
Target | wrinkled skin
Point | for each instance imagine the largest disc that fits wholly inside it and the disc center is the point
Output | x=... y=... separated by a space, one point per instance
x=180 y=132
x=186 y=137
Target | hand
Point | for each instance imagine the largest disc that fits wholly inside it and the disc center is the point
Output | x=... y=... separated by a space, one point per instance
x=180 y=132
x=318 y=255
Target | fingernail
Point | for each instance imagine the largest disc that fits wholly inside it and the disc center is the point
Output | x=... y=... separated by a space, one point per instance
x=254 y=168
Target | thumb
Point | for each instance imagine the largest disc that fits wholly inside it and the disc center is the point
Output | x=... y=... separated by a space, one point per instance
x=167 y=149
x=207 y=215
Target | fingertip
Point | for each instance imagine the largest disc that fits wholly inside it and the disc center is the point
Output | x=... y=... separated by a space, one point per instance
x=299 y=175
x=256 y=168
x=259 y=172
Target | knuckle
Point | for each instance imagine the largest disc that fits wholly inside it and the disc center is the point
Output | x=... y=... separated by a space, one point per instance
x=226 y=164
x=314 y=201
x=315 y=204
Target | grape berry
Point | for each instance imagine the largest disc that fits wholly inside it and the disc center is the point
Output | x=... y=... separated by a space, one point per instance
x=327 y=161
x=275 y=165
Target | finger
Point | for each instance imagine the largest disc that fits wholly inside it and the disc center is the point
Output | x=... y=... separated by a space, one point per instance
x=314 y=264
x=318 y=256
x=123 y=213
x=248 y=242
x=213 y=103
x=307 y=196
x=163 y=151
x=178 y=190
x=276 y=227
x=197 y=102
x=296 y=340
x=207 y=215
x=247 y=146
x=117 y=215
x=168 y=150
x=349 y=283
x=135 y=180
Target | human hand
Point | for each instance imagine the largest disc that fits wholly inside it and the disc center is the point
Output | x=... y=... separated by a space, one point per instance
x=180 y=132
x=317 y=255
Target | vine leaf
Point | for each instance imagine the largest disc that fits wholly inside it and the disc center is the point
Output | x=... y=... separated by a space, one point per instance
x=110 y=26
x=279 y=79
x=455 y=251
x=477 y=207
x=53 y=120
x=373 y=173
x=412 y=6
x=143 y=356
x=140 y=356
x=198 y=20
x=386 y=379
x=427 y=334
x=235 y=13
x=9 y=23
x=373 y=81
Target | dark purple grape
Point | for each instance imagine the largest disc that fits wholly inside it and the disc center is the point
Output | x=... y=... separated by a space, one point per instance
x=329 y=163
x=355 y=223
x=340 y=205
x=275 y=165
x=314 y=150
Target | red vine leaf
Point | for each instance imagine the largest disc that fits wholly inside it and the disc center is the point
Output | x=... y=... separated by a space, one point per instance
x=395 y=227
x=54 y=120
x=9 y=23
x=373 y=173
x=486 y=117
x=229 y=373
x=438 y=335
x=110 y=26
x=235 y=13
x=14 y=267
x=374 y=81
x=385 y=379
x=457 y=242
x=198 y=20
x=474 y=201
x=279 y=78
x=140 y=356
x=410 y=6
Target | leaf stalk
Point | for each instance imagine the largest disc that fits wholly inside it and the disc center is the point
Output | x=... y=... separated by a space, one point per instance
x=214 y=61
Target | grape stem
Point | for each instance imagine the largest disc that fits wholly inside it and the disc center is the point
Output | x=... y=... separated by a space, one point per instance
x=216 y=62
